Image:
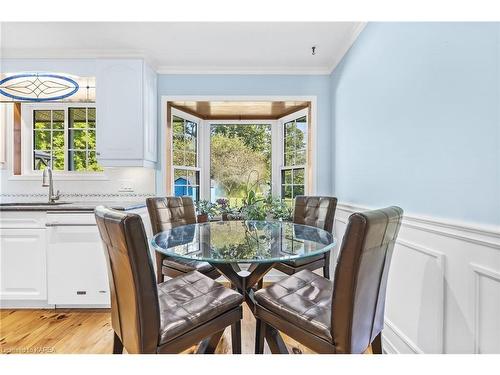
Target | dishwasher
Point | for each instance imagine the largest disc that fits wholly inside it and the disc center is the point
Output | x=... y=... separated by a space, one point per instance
x=76 y=265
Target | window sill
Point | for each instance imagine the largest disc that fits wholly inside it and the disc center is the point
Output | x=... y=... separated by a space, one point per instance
x=62 y=177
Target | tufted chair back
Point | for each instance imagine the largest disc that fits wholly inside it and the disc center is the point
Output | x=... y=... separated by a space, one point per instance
x=135 y=314
x=170 y=212
x=360 y=283
x=318 y=212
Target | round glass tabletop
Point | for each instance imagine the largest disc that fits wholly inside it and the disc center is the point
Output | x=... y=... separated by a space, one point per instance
x=243 y=241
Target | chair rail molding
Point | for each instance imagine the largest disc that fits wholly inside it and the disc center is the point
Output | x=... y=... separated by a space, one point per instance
x=443 y=294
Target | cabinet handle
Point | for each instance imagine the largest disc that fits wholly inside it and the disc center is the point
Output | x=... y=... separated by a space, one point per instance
x=81 y=292
x=70 y=225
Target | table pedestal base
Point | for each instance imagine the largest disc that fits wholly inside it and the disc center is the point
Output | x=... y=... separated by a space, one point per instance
x=244 y=282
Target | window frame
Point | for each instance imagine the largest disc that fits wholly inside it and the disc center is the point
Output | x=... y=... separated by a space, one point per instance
x=274 y=151
x=283 y=121
x=27 y=171
x=186 y=117
x=87 y=150
x=165 y=183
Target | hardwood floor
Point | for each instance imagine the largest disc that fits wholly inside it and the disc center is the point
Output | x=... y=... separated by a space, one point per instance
x=89 y=331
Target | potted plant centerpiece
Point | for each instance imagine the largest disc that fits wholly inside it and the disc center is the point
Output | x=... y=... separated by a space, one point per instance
x=265 y=208
x=206 y=210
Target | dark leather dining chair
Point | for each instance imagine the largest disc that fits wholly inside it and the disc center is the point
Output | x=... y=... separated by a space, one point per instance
x=166 y=213
x=343 y=316
x=160 y=318
x=318 y=212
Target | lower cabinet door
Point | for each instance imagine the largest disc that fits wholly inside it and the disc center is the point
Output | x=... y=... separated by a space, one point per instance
x=77 y=271
x=23 y=264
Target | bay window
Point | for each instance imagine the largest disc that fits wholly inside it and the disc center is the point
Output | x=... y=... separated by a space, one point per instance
x=213 y=159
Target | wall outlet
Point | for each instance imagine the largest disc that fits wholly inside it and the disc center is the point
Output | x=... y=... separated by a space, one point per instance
x=126 y=186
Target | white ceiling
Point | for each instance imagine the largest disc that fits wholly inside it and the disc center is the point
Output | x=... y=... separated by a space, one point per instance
x=194 y=47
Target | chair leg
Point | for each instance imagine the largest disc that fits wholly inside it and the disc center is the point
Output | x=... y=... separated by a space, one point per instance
x=275 y=341
x=209 y=344
x=236 y=337
x=117 y=345
x=159 y=265
x=377 y=344
x=326 y=266
x=326 y=272
x=260 y=334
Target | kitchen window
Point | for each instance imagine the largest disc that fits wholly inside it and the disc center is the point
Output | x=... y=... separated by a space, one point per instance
x=64 y=138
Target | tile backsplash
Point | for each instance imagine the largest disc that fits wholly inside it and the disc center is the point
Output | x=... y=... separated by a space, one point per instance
x=116 y=183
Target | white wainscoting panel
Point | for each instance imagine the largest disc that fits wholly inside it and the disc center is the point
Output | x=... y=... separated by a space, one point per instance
x=486 y=310
x=443 y=294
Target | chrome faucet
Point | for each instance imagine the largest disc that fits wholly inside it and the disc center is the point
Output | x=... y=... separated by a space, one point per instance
x=47 y=174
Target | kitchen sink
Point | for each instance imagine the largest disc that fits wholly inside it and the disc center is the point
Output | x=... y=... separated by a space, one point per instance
x=24 y=204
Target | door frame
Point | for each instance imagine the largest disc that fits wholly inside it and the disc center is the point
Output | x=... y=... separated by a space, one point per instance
x=161 y=183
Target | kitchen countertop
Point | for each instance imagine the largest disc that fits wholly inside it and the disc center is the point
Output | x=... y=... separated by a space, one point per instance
x=82 y=206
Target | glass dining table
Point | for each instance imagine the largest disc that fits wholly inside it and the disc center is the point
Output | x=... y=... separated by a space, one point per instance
x=229 y=246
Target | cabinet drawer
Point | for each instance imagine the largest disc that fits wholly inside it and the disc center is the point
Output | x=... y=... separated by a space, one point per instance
x=27 y=219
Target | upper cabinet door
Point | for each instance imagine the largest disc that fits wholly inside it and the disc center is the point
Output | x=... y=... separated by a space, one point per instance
x=119 y=97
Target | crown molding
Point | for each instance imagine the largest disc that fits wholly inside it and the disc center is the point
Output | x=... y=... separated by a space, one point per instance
x=243 y=70
x=349 y=41
x=25 y=53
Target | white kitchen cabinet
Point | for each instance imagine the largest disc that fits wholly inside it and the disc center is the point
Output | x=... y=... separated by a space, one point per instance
x=150 y=122
x=23 y=264
x=55 y=258
x=76 y=265
x=126 y=98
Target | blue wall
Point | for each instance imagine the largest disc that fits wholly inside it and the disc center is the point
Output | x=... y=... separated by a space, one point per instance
x=305 y=85
x=415 y=107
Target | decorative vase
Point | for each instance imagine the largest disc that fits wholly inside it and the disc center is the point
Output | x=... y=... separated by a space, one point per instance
x=202 y=218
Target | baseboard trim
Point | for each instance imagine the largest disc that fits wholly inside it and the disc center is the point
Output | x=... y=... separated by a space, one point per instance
x=25 y=304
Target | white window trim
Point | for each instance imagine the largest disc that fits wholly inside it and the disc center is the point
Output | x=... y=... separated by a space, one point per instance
x=27 y=172
x=199 y=122
x=291 y=117
x=161 y=181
